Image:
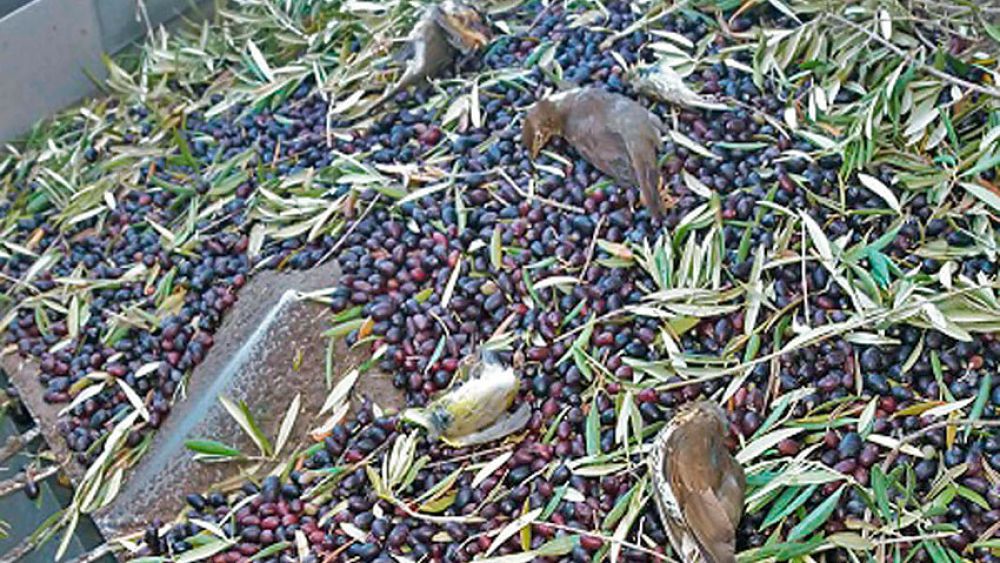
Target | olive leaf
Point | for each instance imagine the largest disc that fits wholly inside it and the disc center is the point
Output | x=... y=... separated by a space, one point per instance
x=241 y=414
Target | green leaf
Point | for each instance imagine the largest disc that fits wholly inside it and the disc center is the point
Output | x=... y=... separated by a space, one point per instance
x=618 y=510
x=347 y=315
x=204 y=551
x=816 y=518
x=241 y=414
x=182 y=145
x=553 y=504
x=934 y=549
x=786 y=504
x=559 y=546
x=270 y=550
x=851 y=540
x=537 y=54
x=593 y=430
x=287 y=423
x=784 y=551
x=211 y=447
x=496 y=257
x=985 y=386
x=880 y=485
x=950 y=128
x=973 y=496
x=985 y=162
x=879 y=268
x=343 y=329
x=552 y=548
x=992 y=30
x=985 y=195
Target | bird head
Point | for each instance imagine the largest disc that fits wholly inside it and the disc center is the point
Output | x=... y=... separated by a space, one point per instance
x=706 y=414
x=465 y=26
x=540 y=124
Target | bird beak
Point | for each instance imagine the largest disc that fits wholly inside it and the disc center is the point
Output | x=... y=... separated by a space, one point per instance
x=489 y=356
x=541 y=138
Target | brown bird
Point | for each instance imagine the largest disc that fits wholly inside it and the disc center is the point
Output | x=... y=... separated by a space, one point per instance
x=444 y=31
x=614 y=133
x=699 y=486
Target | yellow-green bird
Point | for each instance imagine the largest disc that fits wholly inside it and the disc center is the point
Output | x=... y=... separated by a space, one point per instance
x=475 y=410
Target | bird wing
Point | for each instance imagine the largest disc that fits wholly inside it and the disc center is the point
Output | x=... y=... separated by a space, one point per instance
x=428 y=52
x=684 y=544
x=600 y=145
x=621 y=140
x=642 y=152
x=695 y=481
x=708 y=521
x=732 y=490
x=506 y=425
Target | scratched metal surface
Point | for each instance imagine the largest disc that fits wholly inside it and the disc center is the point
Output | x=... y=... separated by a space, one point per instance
x=252 y=360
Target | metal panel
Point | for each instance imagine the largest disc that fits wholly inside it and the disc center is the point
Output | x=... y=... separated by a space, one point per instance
x=45 y=46
x=8 y=6
x=122 y=23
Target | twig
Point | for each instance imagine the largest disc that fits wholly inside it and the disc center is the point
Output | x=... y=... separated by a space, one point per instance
x=471 y=455
x=645 y=20
x=15 y=443
x=18 y=553
x=891 y=457
x=605 y=538
x=590 y=249
x=94 y=554
x=843 y=328
x=541 y=14
x=349 y=230
x=21 y=480
x=992 y=92
x=557 y=204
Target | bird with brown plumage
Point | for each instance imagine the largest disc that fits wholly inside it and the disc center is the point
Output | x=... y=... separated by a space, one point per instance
x=698 y=485
x=445 y=31
x=612 y=132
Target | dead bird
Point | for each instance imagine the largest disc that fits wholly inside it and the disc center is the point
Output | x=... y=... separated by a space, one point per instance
x=475 y=410
x=698 y=485
x=661 y=82
x=444 y=32
x=612 y=132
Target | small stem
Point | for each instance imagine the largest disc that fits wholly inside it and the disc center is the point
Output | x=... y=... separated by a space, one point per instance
x=930 y=428
x=19 y=552
x=15 y=443
x=20 y=481
x=350 y=229
x=94 y=554
x=605 y=538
